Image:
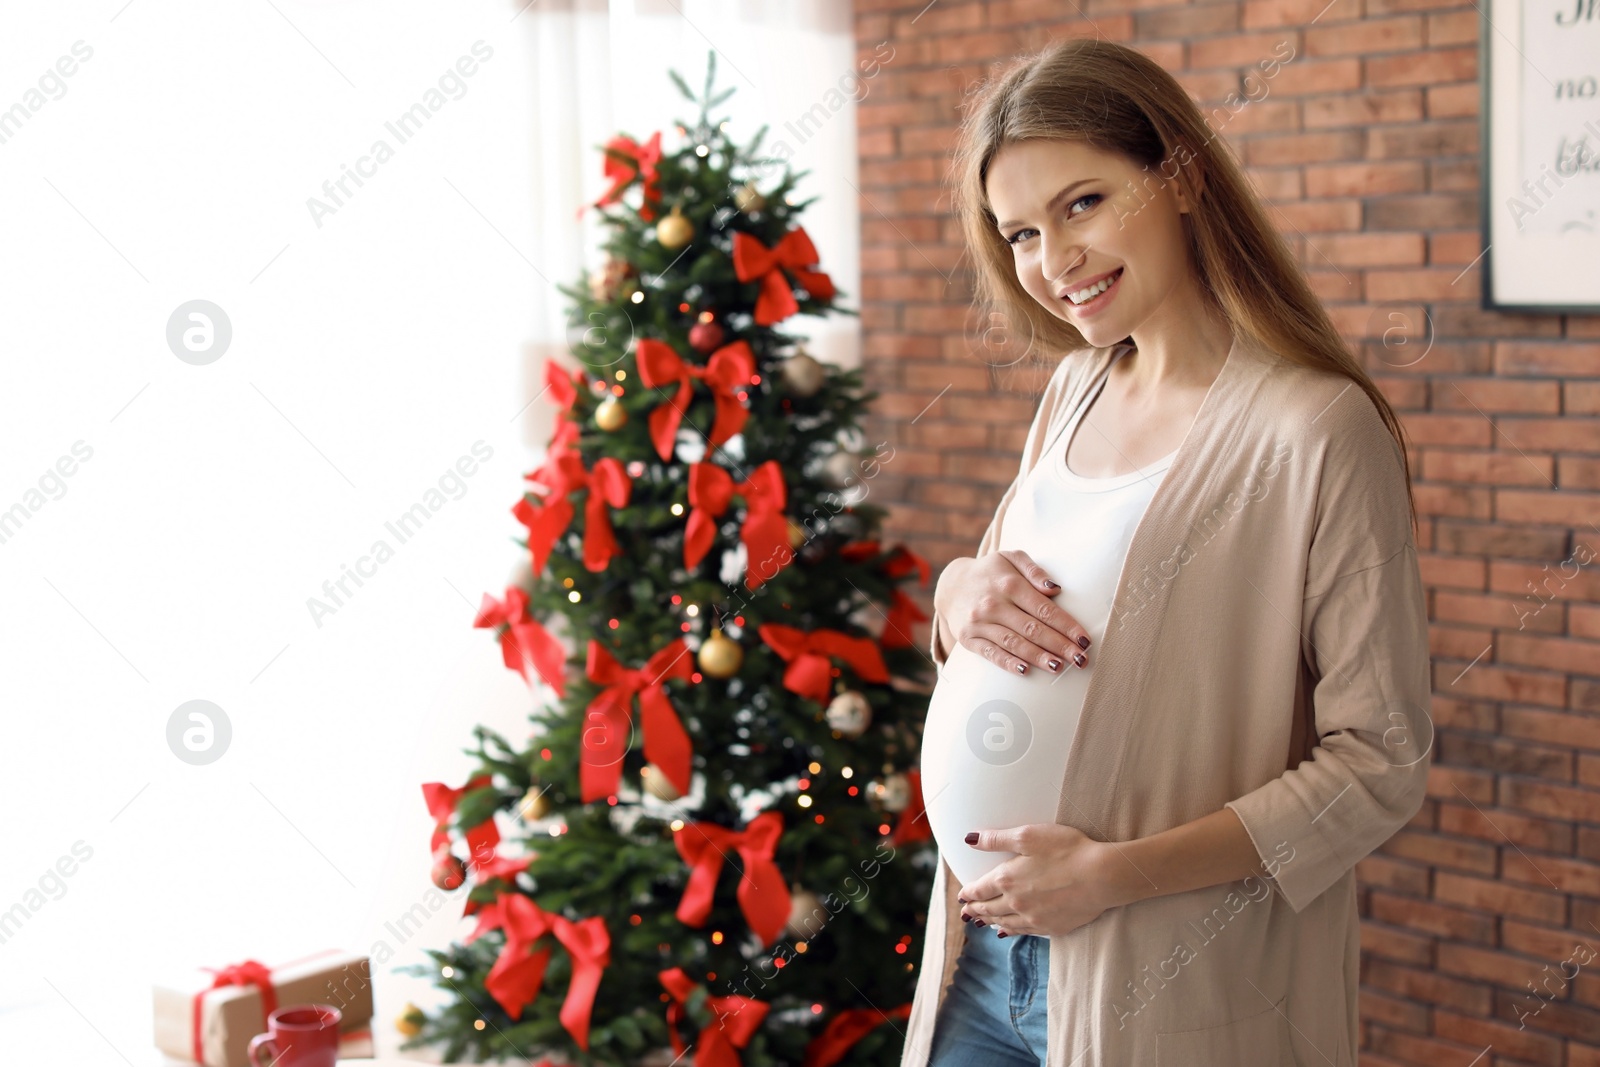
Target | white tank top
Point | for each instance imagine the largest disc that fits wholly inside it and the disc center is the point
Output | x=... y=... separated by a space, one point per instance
x=995 y=742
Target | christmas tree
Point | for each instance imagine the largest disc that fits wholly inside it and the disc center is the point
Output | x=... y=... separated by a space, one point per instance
x=713 y=843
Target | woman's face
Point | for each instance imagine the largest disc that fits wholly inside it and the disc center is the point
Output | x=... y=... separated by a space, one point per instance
x=1073 y=215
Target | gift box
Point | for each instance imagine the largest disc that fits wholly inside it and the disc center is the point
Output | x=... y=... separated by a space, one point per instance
x=209 y=1016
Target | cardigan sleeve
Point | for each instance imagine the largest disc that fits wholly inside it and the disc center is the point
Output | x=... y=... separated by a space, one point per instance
x=1038 y=432
x=1364 y=636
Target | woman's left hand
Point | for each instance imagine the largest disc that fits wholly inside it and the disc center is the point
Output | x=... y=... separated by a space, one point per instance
x=1058 y=881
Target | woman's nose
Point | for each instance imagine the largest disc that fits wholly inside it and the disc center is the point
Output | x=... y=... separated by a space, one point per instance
x=1058 y=259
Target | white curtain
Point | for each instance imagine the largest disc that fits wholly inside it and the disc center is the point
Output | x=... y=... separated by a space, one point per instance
x=601 y=69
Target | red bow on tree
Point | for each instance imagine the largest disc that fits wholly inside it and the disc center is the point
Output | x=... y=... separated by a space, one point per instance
x=734 y=1021
x=562 y=385
x=638 y=161
x=517 y=974
x=763 y=894
x=765 y=532
x=912 y=826
x=796 y=253
x=810 y=673
x=844 y=1030
x=442 y=801
x=903 y=611
x=608 y=724
x=730 y=368
x=609 y=487
x=524 y=639
x=494 y=865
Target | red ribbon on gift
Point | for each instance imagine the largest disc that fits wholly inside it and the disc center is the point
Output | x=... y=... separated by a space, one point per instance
x=609 y=721
x=518 y=972
x=729 y=369
x=763 y=894
x=249 y=972
x=810 y=672
x=442 y=800
x=765 y=532
x=903 y=612
x=609 y=487
x=735 y=1020
x=640 y=162
x=844 y=1030
x=912 y=827
x=524 y=639
x=796 y=253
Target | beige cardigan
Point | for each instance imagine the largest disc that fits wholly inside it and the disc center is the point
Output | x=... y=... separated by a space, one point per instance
x=1268 y=652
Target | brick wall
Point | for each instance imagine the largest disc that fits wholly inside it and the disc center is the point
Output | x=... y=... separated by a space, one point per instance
x=1366 y=150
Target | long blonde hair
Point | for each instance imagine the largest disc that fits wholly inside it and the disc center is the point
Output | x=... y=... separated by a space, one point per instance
x=1116 y=99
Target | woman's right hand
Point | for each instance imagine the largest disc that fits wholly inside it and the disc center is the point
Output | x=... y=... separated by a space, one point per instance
x=998 y=605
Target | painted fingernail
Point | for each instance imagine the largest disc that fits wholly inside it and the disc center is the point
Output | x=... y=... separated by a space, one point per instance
x=961 y=900
x=1055 y=665
x=1048 y=584
x=965 y=917
x=972 y=838
x=1022 y=668
x=1002 y=933
x=980 y=922
x=1078 y=659
x=1083 y=642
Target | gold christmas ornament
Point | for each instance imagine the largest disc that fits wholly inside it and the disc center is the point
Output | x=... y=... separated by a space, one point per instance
x=802 y=375
x=807 y=916
x=657 y=784
x=611 y=416
x=749 y=198
x=797 y=533
x=675 y=230
x=720 y=656
x=850 y=713
x=534 y=805
x=410 y=1021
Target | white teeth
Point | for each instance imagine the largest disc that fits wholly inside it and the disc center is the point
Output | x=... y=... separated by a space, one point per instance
x=1085 y=295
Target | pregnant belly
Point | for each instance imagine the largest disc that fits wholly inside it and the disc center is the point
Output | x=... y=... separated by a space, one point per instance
x=994 y=748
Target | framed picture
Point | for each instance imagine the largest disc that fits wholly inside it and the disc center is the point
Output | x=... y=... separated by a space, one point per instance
x=1539 y=68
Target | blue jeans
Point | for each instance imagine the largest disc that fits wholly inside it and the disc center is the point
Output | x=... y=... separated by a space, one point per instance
x=994 y=1012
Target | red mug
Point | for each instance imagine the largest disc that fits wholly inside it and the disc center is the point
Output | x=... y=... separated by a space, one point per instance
x=304 y=1035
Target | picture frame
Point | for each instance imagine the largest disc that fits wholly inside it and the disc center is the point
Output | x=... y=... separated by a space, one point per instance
x=1539 y=77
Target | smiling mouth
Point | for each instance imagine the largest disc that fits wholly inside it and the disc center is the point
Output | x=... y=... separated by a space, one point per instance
x=1099 y=289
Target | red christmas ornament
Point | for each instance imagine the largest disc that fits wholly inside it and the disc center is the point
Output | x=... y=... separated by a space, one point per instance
x=706 y=336
x=448 y=872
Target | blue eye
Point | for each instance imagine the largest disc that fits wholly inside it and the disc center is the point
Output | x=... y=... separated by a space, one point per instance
x=1012 y=240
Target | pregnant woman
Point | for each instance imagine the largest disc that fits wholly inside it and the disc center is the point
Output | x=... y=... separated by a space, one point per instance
x=1183 y=685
